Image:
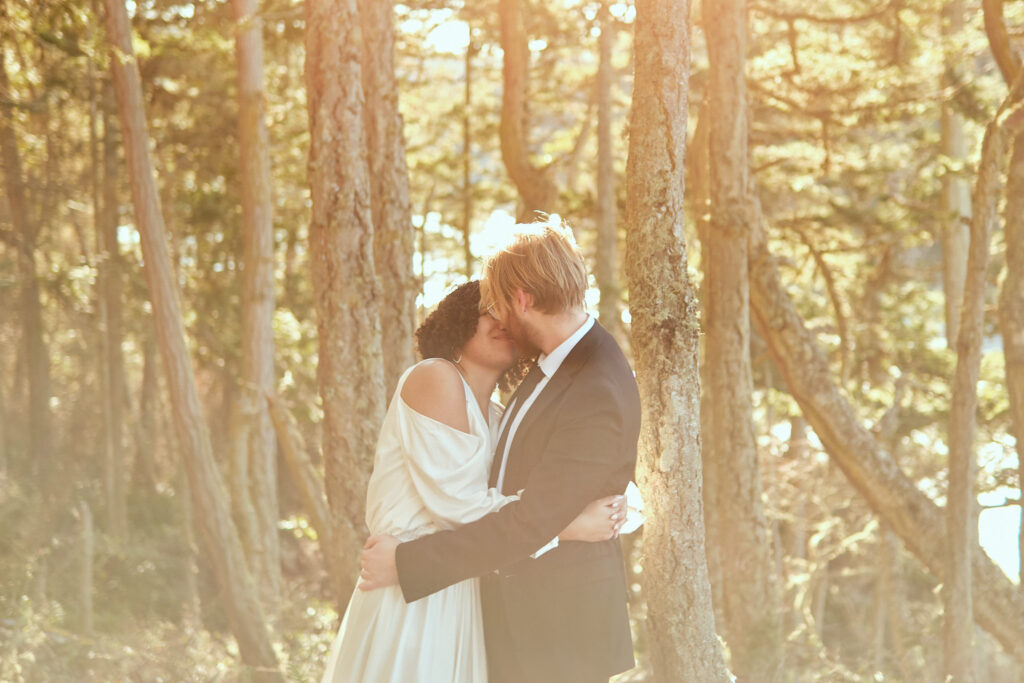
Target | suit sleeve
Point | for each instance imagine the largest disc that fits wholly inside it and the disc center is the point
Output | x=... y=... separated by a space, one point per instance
x=588 y=445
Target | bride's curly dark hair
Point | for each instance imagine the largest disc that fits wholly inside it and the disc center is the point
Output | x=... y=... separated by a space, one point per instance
x=447 y=329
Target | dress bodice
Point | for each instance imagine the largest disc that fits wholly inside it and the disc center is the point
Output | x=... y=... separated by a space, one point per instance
x=428 y=476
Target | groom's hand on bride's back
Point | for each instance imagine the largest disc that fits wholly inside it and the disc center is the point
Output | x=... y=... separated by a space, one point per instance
x=378 y=559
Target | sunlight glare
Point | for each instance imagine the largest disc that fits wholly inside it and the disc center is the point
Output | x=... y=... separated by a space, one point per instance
x=451 y=37
x=998 y=530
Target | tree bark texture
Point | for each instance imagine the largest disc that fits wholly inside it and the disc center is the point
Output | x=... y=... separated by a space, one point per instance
x=389 y=189
x=349 y=369
x=536 y=190
x=869 y=467
x=36 y=352
x=259 y=446
x=680 y=621
x=751 y=601
x=212 y=513
x=606 y=270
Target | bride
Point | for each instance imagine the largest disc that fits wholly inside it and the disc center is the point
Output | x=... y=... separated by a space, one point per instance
x=430 y=473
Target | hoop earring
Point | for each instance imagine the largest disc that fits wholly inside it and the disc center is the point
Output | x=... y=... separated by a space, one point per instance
x=458 y=359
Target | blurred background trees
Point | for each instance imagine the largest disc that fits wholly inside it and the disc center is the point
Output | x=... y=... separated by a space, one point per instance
x=830 y=152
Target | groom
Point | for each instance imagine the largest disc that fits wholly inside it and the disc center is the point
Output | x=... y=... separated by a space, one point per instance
x=552 y=612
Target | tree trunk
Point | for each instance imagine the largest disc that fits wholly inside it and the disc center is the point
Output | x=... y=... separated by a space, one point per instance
x=606 y=270
x=212 y=513
x=867 y=464
x=1011 y=310
x=110 y=294
x=389 y=191
x=751 y=603
x=303 y=474
x=680 y=621
x=956 y=194
x=961 y=499
x=259 y=446
x=349 y=370
x=1011 y=294
x=41 y=452
x=536 y=190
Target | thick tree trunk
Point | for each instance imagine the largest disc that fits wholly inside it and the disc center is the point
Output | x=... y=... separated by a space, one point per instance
x=536 y=190
x=751 y=602
x=212 y=513
x=680 y=620
x=868 y=466
x=36 y=352
x=956 y=193
x=606 y=270
x=389 y=191
x=260 y=448
x=349 y=370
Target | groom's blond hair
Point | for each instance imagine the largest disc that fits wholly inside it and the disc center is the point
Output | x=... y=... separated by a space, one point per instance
x=541 y=259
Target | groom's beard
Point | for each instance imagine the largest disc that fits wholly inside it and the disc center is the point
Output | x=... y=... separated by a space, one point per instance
x=520 y=333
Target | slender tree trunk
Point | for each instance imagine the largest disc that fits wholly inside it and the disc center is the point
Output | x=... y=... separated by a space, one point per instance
x=1011 y=294
x=961 y=499
x=112 y=266
x=956 y=193
x=303 y=474
x=606 y=269
x=260 y=448
x=212 y=513
x=680 y=620
x=751 y=605
x=33 y=342
x=349 y=370
x=697 y=197
x=1011 y=311
x=536 y=190
x=866 y=463
x=389 y=191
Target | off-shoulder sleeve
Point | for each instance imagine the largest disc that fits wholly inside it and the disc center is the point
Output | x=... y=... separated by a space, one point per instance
x=449 y=469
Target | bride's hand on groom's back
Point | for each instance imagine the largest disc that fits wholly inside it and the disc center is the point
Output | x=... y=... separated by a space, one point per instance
x=599 y=521
x=378 y=563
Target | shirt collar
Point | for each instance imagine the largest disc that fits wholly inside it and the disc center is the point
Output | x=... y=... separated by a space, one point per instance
x=550 y=362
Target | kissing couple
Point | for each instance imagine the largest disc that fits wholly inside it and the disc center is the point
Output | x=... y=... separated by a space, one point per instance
x=494 y=553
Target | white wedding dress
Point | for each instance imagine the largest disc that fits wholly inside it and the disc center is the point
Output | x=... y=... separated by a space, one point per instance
x=426 y=477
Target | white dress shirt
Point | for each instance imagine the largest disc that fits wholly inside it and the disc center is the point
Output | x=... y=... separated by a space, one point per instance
x=549 y=364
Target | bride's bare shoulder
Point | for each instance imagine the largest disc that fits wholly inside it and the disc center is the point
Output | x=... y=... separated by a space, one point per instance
x=434 y=388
